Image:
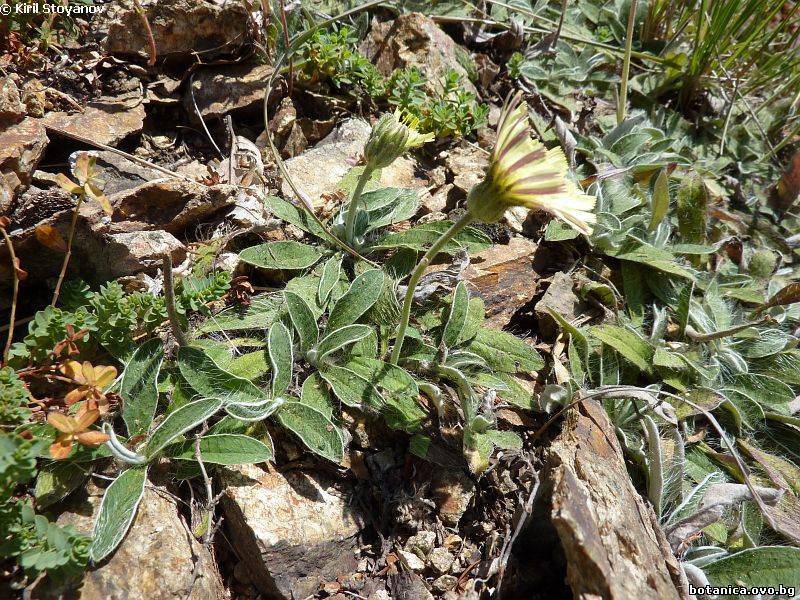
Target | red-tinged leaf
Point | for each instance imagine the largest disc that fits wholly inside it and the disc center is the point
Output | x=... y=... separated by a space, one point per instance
x=93 y=192
x=68 y=185
x=787 y=295
x=22 y=274
x=49 y=237
x=4 y=222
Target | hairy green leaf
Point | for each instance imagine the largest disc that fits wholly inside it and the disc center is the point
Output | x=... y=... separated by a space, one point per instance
x=138 y=387
x=116 y=512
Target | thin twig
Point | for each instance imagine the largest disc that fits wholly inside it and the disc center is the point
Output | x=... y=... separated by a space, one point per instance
x=130 y=157
x=68 y=254
x=14 y=293
x=698 y=337
x=200 y=116
x=148 y=32
x=169 y=297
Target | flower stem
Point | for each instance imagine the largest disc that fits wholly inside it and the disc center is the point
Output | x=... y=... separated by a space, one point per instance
x=14 y=296
x=626 y=66
x=68 y=255
x=352 y=209
x=169 y=297
x=416 y=275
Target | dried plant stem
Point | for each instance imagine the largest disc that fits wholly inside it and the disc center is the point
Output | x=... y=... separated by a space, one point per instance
x=169 y=296
x=14 y=294
x=285 y=27
x=209 y=492
x=698 y=337
x=148 y=31
x=416 y=275
x=622 y=105
x=352 y=209
x=68 y=254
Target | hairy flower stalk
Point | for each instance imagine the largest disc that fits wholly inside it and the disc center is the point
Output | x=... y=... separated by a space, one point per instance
x=390 y=138
x=521 y=172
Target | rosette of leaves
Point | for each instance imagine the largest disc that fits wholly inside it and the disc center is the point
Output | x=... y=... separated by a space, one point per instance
x=452 y=348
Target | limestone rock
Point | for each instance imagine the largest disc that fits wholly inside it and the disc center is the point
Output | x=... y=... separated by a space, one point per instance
x=610 y=535
x=294 y=531
x=467 y=164
x=107 y=123
x=171 y=205
x=414 y=40
x=12 y=110
x=129 y=253
x=180 y=27
x=154 y=561
x=560 y=298
x=218 y=91
x=452 y=491
x=504 y=277
x=21 y=148
x=320 y=169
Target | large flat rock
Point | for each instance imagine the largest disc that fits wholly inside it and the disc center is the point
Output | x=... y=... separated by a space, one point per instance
x=294 y=531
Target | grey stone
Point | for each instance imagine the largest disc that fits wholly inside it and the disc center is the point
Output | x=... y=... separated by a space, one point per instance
x=441 y=560
x=21 y=148
x=560 y=298
x=12 y=110
x=154 y=562
x=294 y=530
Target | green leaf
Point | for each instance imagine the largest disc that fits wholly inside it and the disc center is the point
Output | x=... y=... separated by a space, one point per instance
x=765 y=390
x=660 y=204
x=138 y=387
x=252 y=365
x=281 y=357
x=253 y=412
x=558 y=231
x=629 y=345
x=652 y=257
x=338 y=339
x=763 y=566
x=684 y=304
x=116 y=512
x=457 y=317
x=389 y=205
x=476 y=311
x=179 y=422
x=223 y=449
x=634 y=288
x=315 y=394
x=303 y=320
x=296 y=216
x=56 y=481
x=350 y=388
x=331 y=272
x=285 y=254
x=314 y=429
x=211 y=381
x=505 y=352
x=360 y=297
x=421 y=237
x=261 y=314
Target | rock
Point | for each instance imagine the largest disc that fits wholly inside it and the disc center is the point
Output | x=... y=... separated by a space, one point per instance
x=503 y=275
x=414 y=40
x=614 y=547
x=294 y=531
x=180 y=27
x=154 y=562
x=320 y=169
x=441 y=560
x=408 y=586
x=21 y=148
x=221 y=90
x=171 y=205
x=467 y=165
x=560 y=298
x=444 y=583
x=107 y=124
x=118 y=173
x=452 y=491
x=129 y=253
x=421 y=543
x=12 y=110
x=413 y=562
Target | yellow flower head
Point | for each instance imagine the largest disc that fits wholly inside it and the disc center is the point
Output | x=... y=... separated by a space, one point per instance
x=522 y=172
x=392 y=136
